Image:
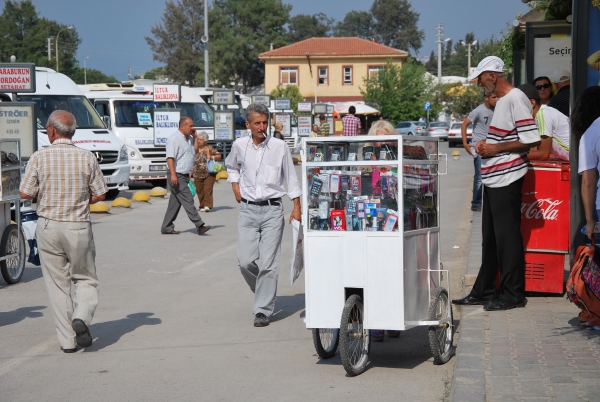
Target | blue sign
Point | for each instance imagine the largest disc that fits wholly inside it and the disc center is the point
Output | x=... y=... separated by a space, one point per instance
x=427 y=106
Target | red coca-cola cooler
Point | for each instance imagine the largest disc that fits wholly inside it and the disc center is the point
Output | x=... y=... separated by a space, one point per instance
x=545 y=225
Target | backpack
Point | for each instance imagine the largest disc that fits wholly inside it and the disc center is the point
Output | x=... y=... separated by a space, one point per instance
x=583 y=285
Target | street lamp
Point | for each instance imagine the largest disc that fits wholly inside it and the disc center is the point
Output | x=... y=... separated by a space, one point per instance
x=440 y=35
x=469 y=58
x=85 y=70
x=56 y=47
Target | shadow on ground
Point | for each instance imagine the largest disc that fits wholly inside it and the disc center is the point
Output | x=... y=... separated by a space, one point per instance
x=109 y=332
x=18 y=315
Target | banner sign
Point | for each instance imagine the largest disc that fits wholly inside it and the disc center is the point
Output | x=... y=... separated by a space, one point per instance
x=17 y=121
x=286 y=120
x=224 y=125
x=304 y=125
x=320 y=108
x=283 y=103
x=551 y=54
x=166 y=122
x=305 y=107
x=17 y=77
x=167 y=92
x=261 y=99
x=223 y=97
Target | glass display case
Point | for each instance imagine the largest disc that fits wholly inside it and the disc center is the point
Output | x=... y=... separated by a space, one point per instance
x=10 y=169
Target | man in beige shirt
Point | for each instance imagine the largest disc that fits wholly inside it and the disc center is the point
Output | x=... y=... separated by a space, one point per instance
x=66 y=180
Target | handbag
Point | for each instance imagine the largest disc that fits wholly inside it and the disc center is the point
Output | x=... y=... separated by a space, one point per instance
x=583 y=285
x=192 y=188
x=210 y=165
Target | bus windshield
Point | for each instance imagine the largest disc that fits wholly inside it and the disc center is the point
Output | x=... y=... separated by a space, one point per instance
x=135 y=113
x=79 y=106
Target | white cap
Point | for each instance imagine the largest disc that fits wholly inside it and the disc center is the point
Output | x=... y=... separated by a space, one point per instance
x=490 y=63
x=560 y=75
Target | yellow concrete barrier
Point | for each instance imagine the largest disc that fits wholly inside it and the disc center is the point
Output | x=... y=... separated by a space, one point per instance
x=121 y=202
x=222 y=175
x=158 y=192
x=140 y=196
x=99 y=208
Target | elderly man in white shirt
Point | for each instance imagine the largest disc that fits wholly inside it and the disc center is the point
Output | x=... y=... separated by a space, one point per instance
x=259 y=166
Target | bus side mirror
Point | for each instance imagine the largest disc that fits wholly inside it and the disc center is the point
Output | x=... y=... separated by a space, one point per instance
x=106 y=120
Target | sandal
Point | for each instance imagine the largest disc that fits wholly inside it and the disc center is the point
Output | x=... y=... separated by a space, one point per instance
x=393 y=334
x=376 y=335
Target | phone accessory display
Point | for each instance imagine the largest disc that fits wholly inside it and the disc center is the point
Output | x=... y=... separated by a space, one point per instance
x=338 y=220
x=334 y=183
x=355 y=185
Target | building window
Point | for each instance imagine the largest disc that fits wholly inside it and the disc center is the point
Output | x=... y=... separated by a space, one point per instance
x=323 y=72
x=288 y=75
x=347 y=75
x=374 y=71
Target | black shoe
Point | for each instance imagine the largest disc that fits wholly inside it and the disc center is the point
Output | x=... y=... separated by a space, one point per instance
x=470 y=301
x=498 y=305
x=476 y=209
x=261 y=320
x=172 y=232
x=73 y=350
x=82 y=333
x=203 y=229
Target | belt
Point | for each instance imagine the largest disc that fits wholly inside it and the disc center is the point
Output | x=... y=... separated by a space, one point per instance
x=272 y=201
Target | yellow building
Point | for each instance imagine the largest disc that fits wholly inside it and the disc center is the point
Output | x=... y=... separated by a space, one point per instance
x=330 y=69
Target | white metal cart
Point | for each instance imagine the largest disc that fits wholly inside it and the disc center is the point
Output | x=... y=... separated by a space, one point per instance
x=371 y=243
x=12 y=241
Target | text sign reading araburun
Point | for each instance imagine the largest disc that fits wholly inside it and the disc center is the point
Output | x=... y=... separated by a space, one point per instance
x=17 y=77
x=167 y=92
x=223 y=97
x=166 y=122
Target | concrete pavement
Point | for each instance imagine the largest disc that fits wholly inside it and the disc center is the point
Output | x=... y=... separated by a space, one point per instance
x=536 y=353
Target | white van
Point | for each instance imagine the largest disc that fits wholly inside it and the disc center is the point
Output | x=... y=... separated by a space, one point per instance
x=57 y=91
x=120 y=105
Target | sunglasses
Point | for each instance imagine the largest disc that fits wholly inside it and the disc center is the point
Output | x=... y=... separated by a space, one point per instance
x=543 y=86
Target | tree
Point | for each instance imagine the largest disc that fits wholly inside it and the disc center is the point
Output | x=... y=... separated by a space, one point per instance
x=92 y=76
x=153 y=74
x=177 y=41
x=25 y=35
x=460 y=100
x=288 y=91
x=355 y=23
x=400 y=91
x=432 y=65
x=240 y=31
x=396 y=24
x=304 y=26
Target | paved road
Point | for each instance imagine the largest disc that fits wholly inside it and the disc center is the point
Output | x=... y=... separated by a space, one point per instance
x=175 y=321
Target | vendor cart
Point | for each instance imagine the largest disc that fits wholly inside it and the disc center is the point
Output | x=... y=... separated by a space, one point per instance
x=371 y=244
x=12 y=241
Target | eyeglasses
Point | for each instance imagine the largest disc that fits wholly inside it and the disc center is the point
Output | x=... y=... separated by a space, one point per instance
x=544 y=86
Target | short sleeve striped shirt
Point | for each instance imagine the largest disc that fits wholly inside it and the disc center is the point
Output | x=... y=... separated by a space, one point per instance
x=63 y=177
x=513 y=120
x=181 y=149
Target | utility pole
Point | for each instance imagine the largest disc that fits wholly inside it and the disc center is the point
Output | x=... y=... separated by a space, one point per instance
x=469 y=62
x=205 y=43
x=50 y=38
x=440 y=35
x=129 y=74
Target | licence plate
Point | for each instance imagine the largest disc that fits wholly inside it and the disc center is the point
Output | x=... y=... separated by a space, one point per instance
x=107 y=179
x=154 y=168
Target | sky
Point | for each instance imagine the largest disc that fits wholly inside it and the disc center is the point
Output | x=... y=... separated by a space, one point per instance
x=112 y=31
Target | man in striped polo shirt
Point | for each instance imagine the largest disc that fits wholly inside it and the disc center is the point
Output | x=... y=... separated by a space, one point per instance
x=504 y=163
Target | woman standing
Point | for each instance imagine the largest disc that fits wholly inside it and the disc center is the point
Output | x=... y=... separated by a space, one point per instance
x=585 y=125
x=315 y=131
x=204 y=180
x=545 y=88
x=277 y=132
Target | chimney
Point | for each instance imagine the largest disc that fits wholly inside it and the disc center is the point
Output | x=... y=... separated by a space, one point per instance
x=271 y=46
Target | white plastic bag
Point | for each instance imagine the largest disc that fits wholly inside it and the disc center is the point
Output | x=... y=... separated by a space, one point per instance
x=297 y=260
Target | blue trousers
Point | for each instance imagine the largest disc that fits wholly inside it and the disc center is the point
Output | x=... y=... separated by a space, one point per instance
x=477 y=186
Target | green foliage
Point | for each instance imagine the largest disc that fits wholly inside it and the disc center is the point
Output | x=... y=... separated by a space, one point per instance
x=24 y=34
x=508 y=45
x=288 y=91
x=93 y=76
x=555 y=9
x=397 y=24
x=431 y=65
x=176 y=40
x=304 y=26
x=152 y=74
x=240 y=31
x=460 y=100
x=355 y=23
x=400 y=91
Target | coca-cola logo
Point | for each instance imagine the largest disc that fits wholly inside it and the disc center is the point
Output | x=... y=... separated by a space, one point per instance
x=545 y=208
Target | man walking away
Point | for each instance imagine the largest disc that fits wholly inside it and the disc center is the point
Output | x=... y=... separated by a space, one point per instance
x=480 y=117
x=66 y=180
x=180 y=159
x=562 y=100
x=259 y=167
x=504 y=164
x=351 y=122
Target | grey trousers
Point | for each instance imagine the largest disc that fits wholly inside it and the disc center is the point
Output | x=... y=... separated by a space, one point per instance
x=68 y=254
x=180 y=196
x=260 y=233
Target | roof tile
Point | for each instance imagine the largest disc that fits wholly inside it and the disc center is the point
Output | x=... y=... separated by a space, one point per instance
x=334 y=47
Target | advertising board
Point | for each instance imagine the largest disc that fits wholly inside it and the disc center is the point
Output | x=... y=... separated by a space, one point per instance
x=166 y=122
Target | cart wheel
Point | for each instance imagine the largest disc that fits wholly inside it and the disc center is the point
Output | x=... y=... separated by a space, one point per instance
x=354 y=338
x=12 y=268
x=326 y=341
x=440 y=337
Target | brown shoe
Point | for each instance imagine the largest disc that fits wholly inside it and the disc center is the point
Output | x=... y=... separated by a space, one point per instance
x=172 y=232
x=203 y=229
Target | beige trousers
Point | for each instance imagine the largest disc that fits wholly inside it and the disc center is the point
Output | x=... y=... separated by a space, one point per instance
x=68 y=254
